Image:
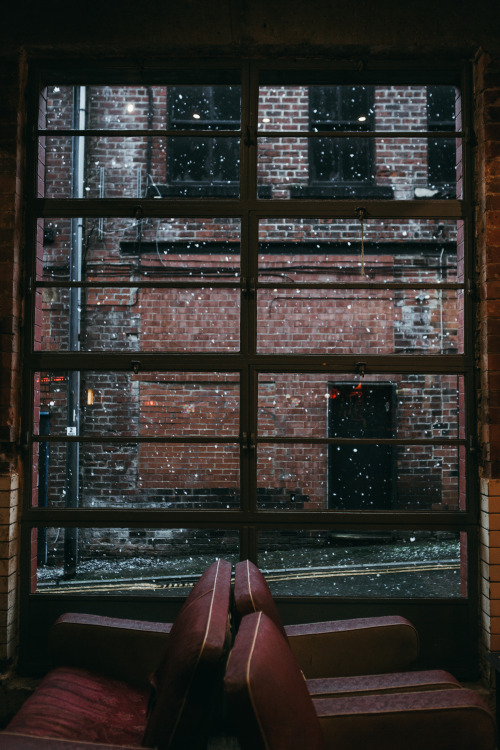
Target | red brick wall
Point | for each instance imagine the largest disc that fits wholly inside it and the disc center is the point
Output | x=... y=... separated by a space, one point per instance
x=207 y=320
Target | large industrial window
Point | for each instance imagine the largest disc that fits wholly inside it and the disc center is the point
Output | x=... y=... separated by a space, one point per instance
x=226 y=360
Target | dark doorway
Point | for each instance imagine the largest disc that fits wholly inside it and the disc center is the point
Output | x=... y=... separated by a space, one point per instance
x=361 y=476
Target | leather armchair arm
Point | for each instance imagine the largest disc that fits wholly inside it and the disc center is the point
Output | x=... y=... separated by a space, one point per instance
x=361 y=646
x=126 y=649
x=430 y=719
x=11 y=741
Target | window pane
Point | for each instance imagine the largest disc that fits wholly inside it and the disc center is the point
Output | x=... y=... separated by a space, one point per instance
x=298 y=167
x=115 y=561
x=355 y=321
x=133 y=320
x=204 y=107
x=359 y=476
x=404 y=406
x=363 y=564
x=202 y=166
x=135 y=167
x=136 y=107
x=345 y=107
x=343 y=250
x=143 y=250
x=147 y=476
x=153 y=404
x=138 y=318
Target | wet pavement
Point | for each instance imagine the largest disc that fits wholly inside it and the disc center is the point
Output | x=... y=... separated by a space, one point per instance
x=403 y=567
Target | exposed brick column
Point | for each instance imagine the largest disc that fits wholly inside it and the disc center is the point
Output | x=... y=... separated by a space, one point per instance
x=12 y=81
x=487 y=126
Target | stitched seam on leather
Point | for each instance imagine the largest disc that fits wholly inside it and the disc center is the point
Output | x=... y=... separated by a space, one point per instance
x=249 y=687
x=333 y=633
x=180 y=712
x=249 y=587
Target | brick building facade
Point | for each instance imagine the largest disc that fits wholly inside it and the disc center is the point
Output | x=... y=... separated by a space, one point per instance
x=324 y=321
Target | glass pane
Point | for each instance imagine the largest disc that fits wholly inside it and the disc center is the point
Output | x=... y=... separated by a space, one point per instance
x=355 y=321
x=137 y=107
x=343 y=250
x=153 y=249
x=336 y=167
x=202 y=166
x=356 y=563
x=140 y=319
x=283 y=108
x=376 y=406
x=135 y=167
x=171 y=476
x=359 y=476
x=164 y=562
x=204 y=107
x=355 y=108
x=153 y=404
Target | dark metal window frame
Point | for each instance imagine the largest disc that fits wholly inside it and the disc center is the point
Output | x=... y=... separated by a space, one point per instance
x=249 y=363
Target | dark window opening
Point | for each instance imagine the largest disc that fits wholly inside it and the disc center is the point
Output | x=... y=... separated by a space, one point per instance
x=341 y=108
x=361 y=476
x=441 y=156
x=200 y=165
x=342 y=167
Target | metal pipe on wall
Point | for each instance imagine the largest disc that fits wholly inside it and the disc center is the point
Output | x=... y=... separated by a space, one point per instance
x=75 y=295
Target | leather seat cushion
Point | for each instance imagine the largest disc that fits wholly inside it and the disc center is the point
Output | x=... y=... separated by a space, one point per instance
x=77 y=704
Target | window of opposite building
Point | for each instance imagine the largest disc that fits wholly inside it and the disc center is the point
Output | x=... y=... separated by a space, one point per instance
x=195 y=163
x=441 y=115
x=346 y=167
x=228 y=360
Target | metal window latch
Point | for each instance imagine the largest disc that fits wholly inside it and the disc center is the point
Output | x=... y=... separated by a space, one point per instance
x=360 y=368
x=247 y=441
x=248 y=286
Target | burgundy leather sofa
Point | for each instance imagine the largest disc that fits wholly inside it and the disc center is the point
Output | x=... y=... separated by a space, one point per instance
x=345 y=657
x=272 y=709
x=101 y=691
x=336 y=648
x=98 y=691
